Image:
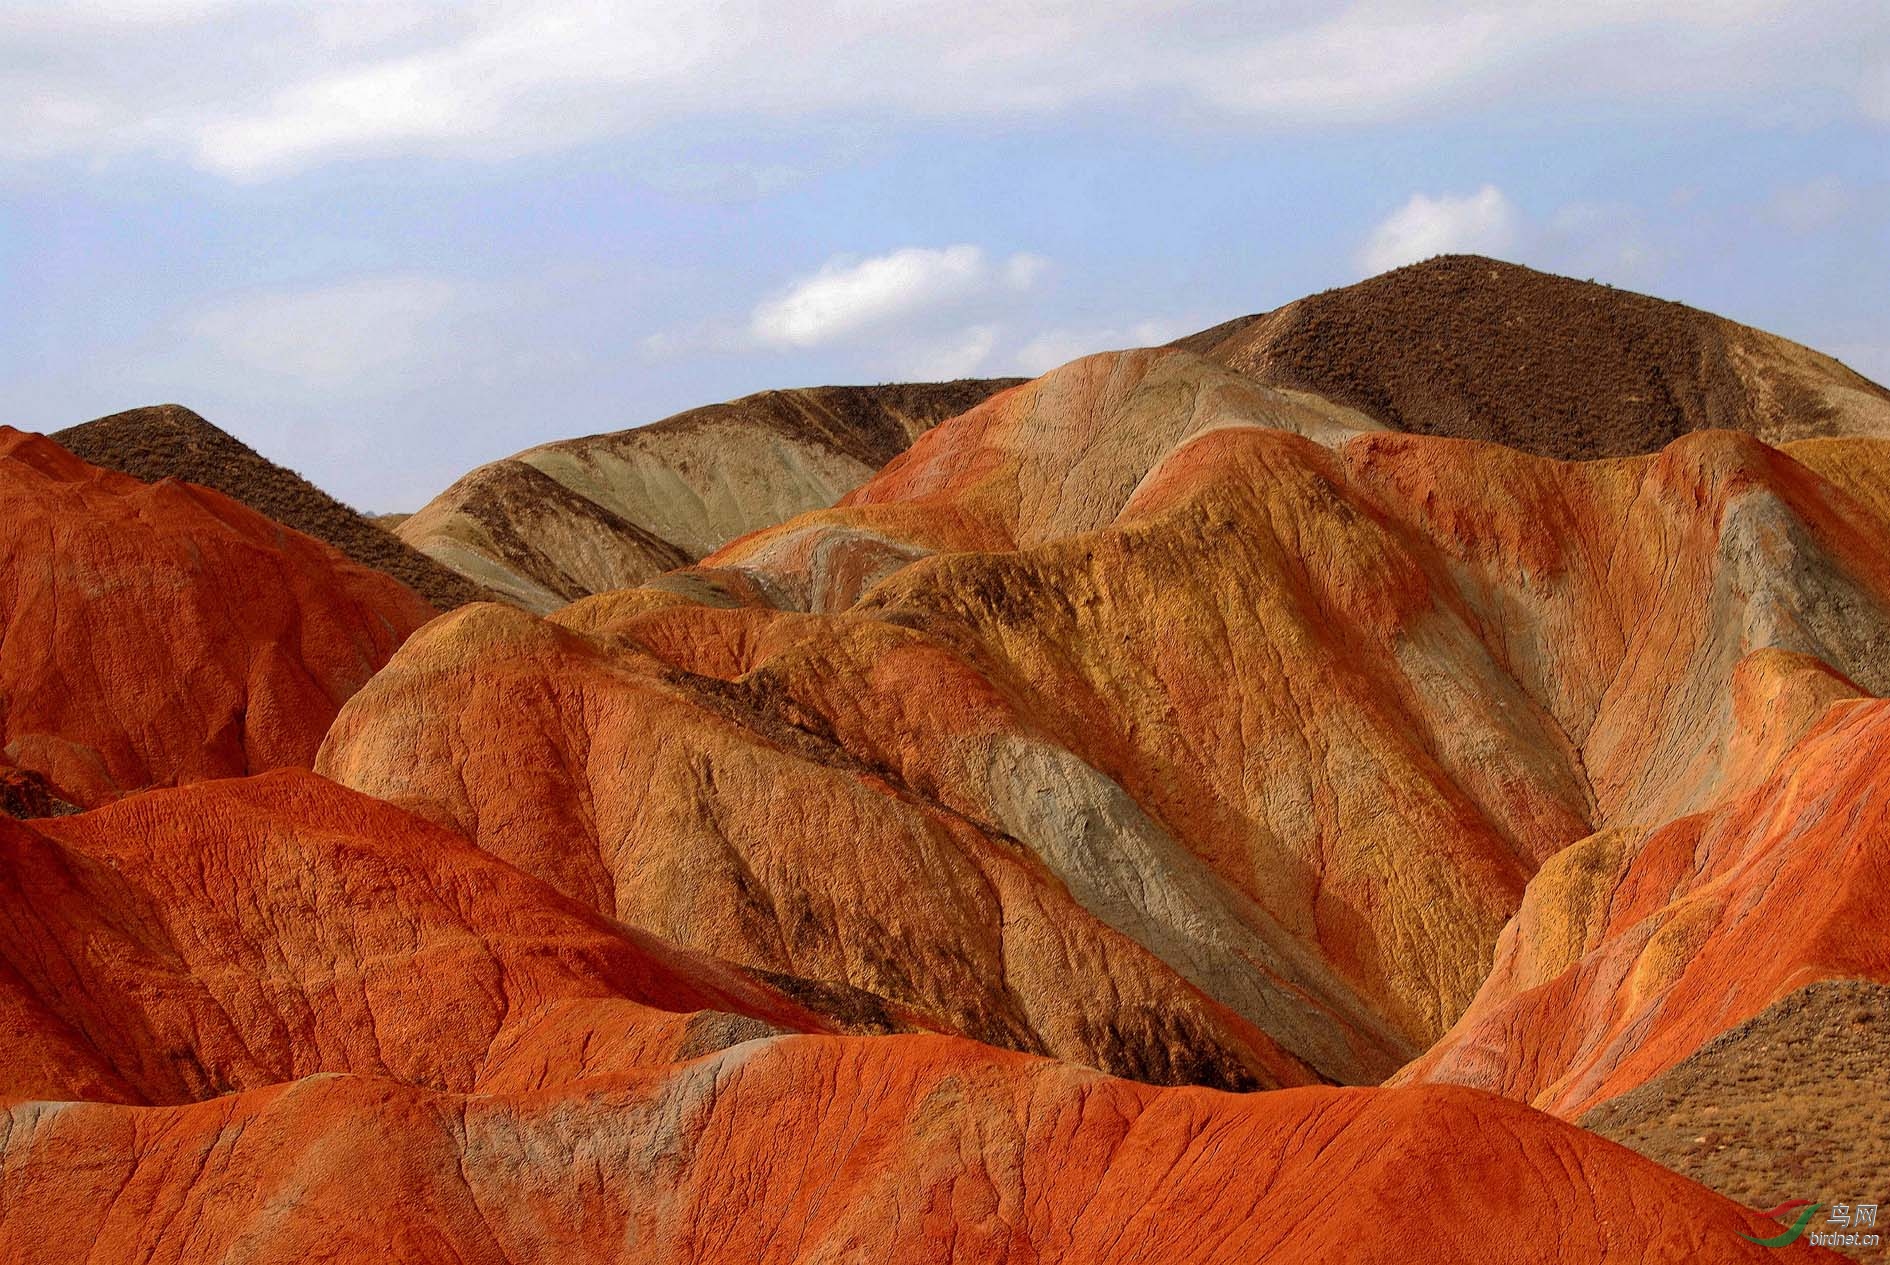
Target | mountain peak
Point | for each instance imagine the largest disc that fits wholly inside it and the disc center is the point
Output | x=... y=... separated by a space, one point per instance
x=1471 y=347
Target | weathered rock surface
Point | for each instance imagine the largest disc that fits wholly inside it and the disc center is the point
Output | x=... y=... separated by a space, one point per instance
x=168 y=441
x=582 y=516
x=1055 y=457
x=1298 y=716
x=1173 y=716
x=820 y=1149
x=1632 y=950
x=698 y=809
x=160 y=633
x=231 y=935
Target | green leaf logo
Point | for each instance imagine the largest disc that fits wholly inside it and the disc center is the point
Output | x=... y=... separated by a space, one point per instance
x=1791 y=1235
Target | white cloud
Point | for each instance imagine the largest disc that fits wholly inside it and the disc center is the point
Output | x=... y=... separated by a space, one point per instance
x=256 y=89
x=849 y=296
x=1484 y=222
x=1054 y=347
x=45 y=15
x=1602 y=240
x=330 y=337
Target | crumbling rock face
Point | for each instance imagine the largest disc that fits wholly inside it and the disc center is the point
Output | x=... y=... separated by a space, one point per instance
x=1634 y=949
x=1297 y=714
x=908 y=879
x=711 y=815
x=185 y=944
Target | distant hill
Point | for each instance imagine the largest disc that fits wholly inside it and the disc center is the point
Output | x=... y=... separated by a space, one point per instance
x=1476 y=348
x=580 y=516
x=168 y=441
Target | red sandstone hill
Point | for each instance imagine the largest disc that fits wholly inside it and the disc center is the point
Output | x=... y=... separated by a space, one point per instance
x=1459 y=346
x=1292 y=723
x=362 y=1032
x=160 y=633
x=1711 y=991
x=1633 y=949
x=1771 y=1106
x=232 y=935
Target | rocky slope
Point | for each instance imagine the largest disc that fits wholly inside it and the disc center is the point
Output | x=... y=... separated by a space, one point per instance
x=169 y=441
x=1776 y=1107
x=698 y=809
x=1634 y=949
x=161 y=633
x=232 y=935
x=1476 y=348
x=582 y=516
x=1711 y=993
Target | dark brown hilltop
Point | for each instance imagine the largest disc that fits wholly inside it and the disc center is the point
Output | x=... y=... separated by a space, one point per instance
x=169 y=441
x=1789 y=1103
x=1475 y=348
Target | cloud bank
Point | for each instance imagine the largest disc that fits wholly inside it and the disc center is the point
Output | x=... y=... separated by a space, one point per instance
x=265 y=88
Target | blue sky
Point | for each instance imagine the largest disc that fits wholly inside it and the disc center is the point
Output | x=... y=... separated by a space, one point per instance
x=383 y=242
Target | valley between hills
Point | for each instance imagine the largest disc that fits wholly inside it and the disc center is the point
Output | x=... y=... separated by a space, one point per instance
x=1403 y=775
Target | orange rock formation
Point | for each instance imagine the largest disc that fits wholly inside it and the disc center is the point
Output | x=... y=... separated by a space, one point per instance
x=912 y=878
x=160 y=633
x=1632 y=949
x=1296 y=719
x=809 y=1148
x=232 y=935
